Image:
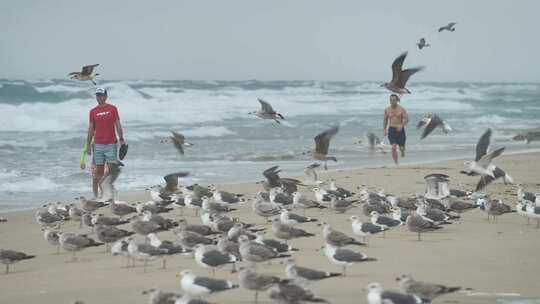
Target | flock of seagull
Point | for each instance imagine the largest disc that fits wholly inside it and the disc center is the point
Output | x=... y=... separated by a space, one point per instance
x=214 y=239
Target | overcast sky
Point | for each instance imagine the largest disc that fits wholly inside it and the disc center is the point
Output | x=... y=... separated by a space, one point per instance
x=270 y=40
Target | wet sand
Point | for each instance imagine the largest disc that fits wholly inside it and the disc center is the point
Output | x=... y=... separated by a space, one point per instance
x=491 y=258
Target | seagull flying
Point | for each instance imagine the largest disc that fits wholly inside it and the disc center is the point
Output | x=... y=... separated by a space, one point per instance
x=267 y=112
x=449 y=27
x=400 y=76
x=85 y=73
x=430 y=121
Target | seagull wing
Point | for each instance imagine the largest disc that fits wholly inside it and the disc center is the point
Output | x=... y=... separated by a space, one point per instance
x=434 y=122
x=171 y=180
x=486 y=159
x=451 y=24
x=73 y=73
x=271 y=175
x=88 y=69
x=404 y=76
x=322 y=141
x=178 y=141
x=397 y=65
x=266 y=107
x=483 y=144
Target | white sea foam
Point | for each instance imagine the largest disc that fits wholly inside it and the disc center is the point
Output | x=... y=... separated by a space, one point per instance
x=63 y=88
x=36 y=184
x=208 y=131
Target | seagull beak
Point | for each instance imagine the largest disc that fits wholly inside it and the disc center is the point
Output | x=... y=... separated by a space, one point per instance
x=178 y=275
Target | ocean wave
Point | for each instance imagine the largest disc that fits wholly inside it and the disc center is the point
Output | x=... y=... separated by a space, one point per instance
x=258 y=157
x=36 y=184
x=208 y=131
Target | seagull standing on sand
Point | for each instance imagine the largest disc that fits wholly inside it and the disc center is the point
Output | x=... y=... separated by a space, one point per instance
x=288 y=218
x=422 y=43
x=267 y=112
x=430 y=121
x=273 y=244
x=210 y=257
x=8 y=257
x=303 y=203
x=304 y=275
x=337 y=238
x=287 y=232
x=201 y=286
x=344 y=257
x=74 y=243
x=449 y=27
x=265 y=209
x=158 y=296
x=52 y=237
x=288 y=293
x=85 y=74
x=251 y=280
x=400 y=76
x=322 y=143
x=365 y=230
x=417 y=223
x=424 y=290
x=376 y=295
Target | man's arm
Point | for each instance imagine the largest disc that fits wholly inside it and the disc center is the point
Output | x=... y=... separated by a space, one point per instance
x=405 y=119
x=120 y=131
x=89 y=136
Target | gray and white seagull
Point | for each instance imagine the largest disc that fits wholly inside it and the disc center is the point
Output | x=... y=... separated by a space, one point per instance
x=430 y=121
x=482 y=164
x=422 y=43
x=267 y=112
x=449 y=27
x=85 y=74
x=322 y=143
x=400 y=76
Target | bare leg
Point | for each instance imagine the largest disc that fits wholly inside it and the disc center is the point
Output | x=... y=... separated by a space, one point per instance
x=394 y=154
x=96 y=182
x=402 y=149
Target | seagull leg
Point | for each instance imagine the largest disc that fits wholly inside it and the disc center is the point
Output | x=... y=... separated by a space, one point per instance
x=537 y=224
x=419 y=237
x=164 y=263
x=58 y=248
x=344 y=271
x=325 y=166
x=145 y=264
x=7 y=268
x=256 y=296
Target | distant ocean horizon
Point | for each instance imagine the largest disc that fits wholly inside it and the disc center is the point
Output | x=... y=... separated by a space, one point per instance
x=44 y=124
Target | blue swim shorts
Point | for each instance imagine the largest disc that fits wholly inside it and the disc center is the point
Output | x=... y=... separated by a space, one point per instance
x=395 y=137
x=104 y=153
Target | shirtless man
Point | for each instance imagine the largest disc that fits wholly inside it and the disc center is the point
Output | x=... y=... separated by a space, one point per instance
x=395 y=120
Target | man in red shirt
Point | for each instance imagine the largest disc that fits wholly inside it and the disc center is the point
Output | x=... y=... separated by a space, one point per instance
x=104 y=124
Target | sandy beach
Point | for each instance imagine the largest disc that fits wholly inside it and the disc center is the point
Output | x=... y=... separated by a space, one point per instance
x=488 y=257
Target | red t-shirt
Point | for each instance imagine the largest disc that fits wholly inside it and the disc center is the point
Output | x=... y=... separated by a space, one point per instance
x=104 y=117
